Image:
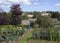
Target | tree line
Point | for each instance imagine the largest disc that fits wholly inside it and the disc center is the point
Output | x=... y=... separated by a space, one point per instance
x=14 y=16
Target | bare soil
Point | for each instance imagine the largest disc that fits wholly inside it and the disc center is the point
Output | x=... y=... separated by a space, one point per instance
x=42 y=41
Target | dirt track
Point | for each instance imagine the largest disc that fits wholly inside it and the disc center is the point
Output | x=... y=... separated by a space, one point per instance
x=42 y=41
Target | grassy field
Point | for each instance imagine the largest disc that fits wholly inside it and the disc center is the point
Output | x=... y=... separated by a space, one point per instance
x=26 y=37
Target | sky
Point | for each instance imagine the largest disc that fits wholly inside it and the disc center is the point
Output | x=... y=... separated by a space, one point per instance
x=32 y=5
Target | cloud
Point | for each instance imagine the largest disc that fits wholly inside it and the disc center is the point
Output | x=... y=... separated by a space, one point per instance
x=58 y=4
x=1 y=1
x=15 y=1
x=2 y=6
x=26 y=2
x=7 y=3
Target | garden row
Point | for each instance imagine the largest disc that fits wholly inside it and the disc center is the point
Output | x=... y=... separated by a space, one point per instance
x=47 y=34
x=10 y=33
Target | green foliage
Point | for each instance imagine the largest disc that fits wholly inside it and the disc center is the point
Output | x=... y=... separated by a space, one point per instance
x=44 y=21
x=52 y=34
x=26 y=37
x=36 y=14
x=10 y=33
x=54 y=14
x=32 y=24
x=24 y=17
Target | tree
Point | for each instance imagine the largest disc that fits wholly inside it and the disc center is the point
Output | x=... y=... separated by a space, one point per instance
x=44 y=21
x=24 y=17
x=36 y=14
x=3 y=18
x=54 y=14
x=16 y=13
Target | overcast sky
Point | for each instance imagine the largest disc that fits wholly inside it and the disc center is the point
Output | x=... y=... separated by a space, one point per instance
x=32 y=5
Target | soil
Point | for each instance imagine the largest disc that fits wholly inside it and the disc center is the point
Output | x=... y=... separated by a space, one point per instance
x=42 y=41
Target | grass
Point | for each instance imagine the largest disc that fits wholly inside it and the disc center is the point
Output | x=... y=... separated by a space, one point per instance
x=26 y=37
x=7 y=26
